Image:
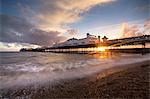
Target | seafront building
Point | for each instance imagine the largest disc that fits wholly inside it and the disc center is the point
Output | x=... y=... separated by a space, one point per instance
x=89 y=40
x=92 y=42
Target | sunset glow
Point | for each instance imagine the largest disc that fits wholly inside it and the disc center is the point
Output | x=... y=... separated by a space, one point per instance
x=53 y=21
x=74 y=49
x=102 y=49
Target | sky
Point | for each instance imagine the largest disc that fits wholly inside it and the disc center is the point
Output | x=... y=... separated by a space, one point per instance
x=35 y=23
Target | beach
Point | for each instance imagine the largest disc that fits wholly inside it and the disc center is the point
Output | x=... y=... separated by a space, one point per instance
x=129 y=82
x=75 y=49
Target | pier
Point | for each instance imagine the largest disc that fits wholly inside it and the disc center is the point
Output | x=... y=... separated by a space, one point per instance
x=130 y=45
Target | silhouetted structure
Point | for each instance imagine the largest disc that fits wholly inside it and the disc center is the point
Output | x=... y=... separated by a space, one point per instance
x=91 y=41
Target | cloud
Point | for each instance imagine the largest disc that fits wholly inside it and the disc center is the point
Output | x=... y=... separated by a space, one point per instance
x=16 y=29
x=44 y=22
x=73 y=31
x=129 y=30
x=147 y=27
x=58 y=14
x=116 y=31
x=15 y=46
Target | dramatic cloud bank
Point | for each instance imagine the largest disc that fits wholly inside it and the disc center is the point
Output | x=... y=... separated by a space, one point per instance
x=44 y=23
x=129 y=31
x=58 y=14
x=16 y=29
x=135 y=30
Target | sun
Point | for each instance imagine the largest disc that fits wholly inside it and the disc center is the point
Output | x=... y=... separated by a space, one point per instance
x=102 y=49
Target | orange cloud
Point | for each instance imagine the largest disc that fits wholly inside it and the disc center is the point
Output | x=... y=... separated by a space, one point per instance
x=58 y=14
x=130 y=31
x=147 y=27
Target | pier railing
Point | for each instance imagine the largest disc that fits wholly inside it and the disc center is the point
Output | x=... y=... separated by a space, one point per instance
x=99 y=47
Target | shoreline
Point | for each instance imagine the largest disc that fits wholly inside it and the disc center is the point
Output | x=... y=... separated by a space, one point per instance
x=126 y=82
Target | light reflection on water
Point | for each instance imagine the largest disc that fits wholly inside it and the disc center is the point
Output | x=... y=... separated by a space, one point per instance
x=103 y=55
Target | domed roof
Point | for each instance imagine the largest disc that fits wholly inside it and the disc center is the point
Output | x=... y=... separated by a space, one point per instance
x=72 y=39
x=104 y=37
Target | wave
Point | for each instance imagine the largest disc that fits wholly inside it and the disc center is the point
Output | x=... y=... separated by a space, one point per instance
x=47 y=69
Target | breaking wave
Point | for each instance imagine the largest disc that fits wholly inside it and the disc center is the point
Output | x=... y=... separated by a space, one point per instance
x=22 y=69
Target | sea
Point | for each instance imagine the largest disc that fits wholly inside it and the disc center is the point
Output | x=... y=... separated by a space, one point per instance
x=19 y=69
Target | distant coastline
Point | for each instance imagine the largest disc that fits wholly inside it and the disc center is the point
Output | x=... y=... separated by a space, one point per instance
x=9 y=51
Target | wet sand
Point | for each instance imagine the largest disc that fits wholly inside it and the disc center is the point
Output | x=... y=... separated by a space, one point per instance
x=131 y=82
